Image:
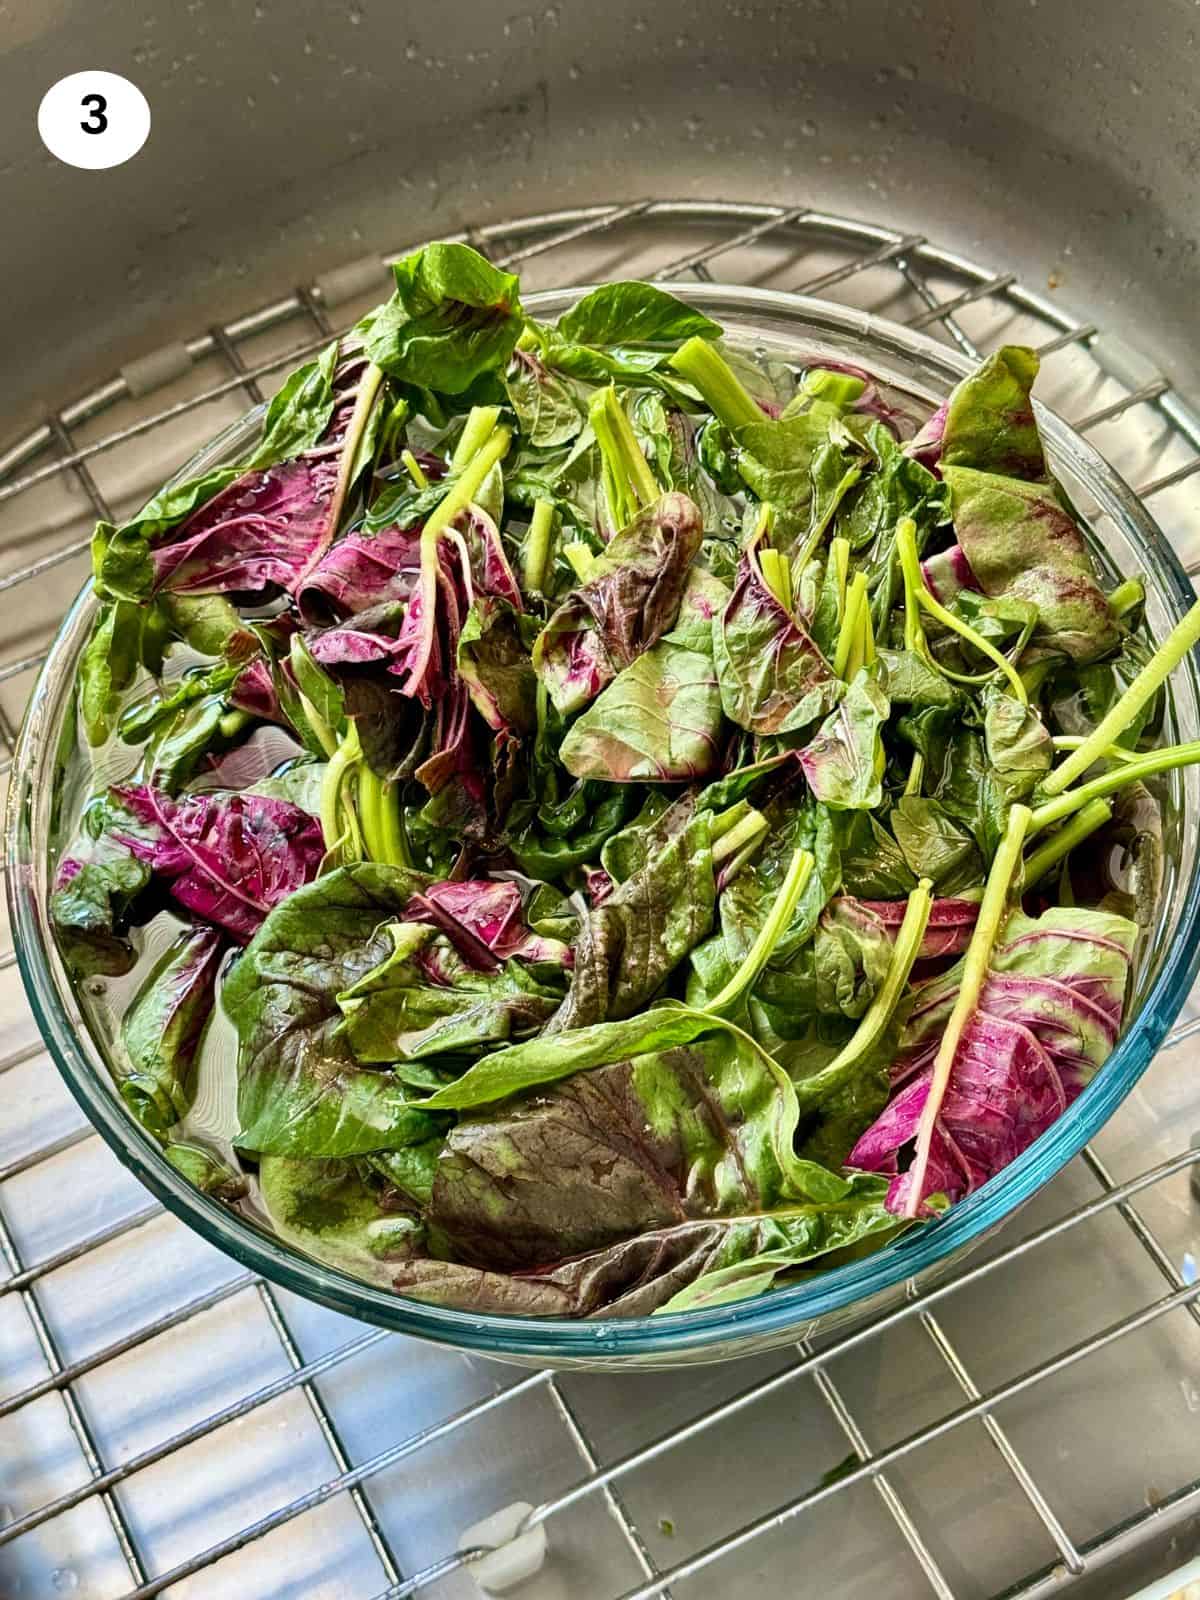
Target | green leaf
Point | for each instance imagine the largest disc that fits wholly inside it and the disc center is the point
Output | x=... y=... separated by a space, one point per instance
x=395 y=1013
x=300 y=1089
x=631 y=943
x=990 y=423
x=330 y=1210
x=750 y=1253
x=658 y=721
x=873 y=865
x=1016 y=741
x=161 y=1031
x=935 y=846
x=207 y=1170
x=694 y=1130
x=773 y=678
x=96 y=884
x=300 y=410
x=110 y=662
x=494 y=663
x=634 y=313
x=843 y=764
x=551 y=410
x=1023 y=543
x=453 y=318
x=973 y=792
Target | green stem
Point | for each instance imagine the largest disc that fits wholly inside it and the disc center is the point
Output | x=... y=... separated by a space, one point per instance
x=750 y=829
x=769 y=935
x=581 y=558
x=915 y=774
x=630 y=483
x=370 y=795
x=1175 y=755
x=481 y=420
x=916 y=593
x=856 y=597
x=232 y=723
x=777 y=576
x=337 y=773
x=537 y=547
x=1125 y=597
x=866 y=1037
x=394 y=840
x=839 y=554
x=1182 y=638
x=1074 y=741
x=413 y=467
x=1084 y=823
x=379 y=814
x=992 y=914
x=325 y=735
x=722 y=392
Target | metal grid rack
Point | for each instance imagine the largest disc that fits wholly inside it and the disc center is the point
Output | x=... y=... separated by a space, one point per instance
x=171 y=1424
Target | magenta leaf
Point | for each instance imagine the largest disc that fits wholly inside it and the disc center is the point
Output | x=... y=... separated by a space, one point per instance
x=228 y=858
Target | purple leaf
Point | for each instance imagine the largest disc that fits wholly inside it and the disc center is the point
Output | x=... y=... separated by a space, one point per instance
x=947 y=933
x=228 y=858
x=485 y=920
x=269 y=528
x=1048 y=1017
x=361 y=570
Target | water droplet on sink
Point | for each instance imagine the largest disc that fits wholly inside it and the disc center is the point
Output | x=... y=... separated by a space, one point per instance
x=65 y=1579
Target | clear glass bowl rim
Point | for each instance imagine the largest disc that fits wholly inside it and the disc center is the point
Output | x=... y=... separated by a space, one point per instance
x=727 y=1330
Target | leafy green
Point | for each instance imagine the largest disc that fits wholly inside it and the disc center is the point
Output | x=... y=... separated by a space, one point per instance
x=697 y=1129
x=658 y=721
x=1023 y=543
x=990 y=423
x=629 y=944
x=773 y=678
x=453 y=318
x=332 y=1211
x=97 y=883
x=630 y=599
x=161 y=1031
x=935 y=846
x=634 y=313
x=398 y=1012
x=301 y=1090
x=843 y=763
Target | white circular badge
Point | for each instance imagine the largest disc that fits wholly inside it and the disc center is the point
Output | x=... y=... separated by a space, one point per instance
x=94 y=119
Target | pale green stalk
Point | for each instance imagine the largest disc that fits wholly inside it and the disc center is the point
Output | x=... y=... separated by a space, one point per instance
x=1182 y=638
x=413 y=467
x=1084 y=823
x=992 y=915
x=769 y=935
x=916 y=593
x=537 y=547
x=481 y=420
x=1144 y=766
x=871 y=1029
x=707 y=370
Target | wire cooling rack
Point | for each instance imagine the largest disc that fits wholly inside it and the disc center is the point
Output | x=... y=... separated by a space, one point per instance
x=171 y=1424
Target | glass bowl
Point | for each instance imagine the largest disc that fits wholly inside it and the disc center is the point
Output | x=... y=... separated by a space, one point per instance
x=1125 y=539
